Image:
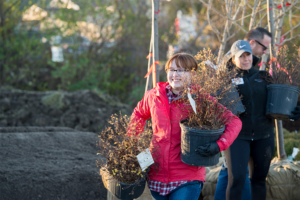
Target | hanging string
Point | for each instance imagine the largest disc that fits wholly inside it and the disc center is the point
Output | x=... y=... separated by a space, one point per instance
x=151 y=68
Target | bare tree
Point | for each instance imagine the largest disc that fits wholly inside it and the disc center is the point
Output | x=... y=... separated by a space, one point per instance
x=236 y=14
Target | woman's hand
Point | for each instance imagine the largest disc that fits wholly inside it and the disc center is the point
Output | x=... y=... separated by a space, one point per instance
x=208 y=149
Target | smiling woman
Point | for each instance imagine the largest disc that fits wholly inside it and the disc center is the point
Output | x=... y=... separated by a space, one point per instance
x=164 y=104
x=178 y=69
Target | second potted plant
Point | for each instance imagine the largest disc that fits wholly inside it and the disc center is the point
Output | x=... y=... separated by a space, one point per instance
x=206 y=122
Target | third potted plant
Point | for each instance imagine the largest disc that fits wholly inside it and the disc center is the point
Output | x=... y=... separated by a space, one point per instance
x=283 y=90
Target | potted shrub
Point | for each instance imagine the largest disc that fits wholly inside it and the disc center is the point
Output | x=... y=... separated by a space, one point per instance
x=218 y=80
x=283 y=90
x=121 y=172
x=205 y=123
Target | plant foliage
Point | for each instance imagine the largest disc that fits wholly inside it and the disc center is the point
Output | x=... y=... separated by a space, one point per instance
x=120 y=148
x=210 y=87
x=285 y=71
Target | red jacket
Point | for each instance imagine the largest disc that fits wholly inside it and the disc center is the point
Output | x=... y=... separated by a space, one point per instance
x=166 y=130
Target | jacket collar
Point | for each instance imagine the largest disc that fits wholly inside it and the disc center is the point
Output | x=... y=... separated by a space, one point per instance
x=241 y=71
x=254 y=60
x=161 y=88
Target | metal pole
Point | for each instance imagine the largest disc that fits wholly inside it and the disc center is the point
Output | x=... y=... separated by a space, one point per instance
x=278 y=123
x=279 y=136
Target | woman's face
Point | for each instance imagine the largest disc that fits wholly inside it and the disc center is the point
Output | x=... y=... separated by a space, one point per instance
x=177 y=77
x=244 y=61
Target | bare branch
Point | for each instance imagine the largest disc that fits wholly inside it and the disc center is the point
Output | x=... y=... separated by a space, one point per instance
x=283 y=13
x=254 y=10
x=292 y=29
x=290 y=21
x=221 y=15
x=209 y=21
x=243 y=13
x=286 y=40
x=279 y=24
x=236 y=12
x=231 y=36
x=261 y=18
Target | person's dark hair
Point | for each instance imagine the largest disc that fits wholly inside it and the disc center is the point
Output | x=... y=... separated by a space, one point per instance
x=257 y=34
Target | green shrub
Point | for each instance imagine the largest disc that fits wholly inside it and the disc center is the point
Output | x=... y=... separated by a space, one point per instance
x=291 y=140
x=297 y=158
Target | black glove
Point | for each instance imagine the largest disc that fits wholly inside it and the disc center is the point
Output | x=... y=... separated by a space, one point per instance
x=296 y=114
x=208 y=150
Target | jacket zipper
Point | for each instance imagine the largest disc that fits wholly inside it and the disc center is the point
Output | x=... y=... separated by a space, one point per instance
x=252 y=103
x=164 y=102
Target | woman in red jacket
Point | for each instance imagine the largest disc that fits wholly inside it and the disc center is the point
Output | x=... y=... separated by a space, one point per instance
x=174 y=179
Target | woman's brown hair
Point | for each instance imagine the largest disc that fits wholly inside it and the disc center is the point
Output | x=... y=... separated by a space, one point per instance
x=183 y=60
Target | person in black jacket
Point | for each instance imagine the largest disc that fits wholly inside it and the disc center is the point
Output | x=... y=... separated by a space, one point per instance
x=259 y=40
x=256 y=139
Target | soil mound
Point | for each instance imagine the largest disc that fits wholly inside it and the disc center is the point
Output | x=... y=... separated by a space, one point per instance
x=49 y=163
x=82 y=110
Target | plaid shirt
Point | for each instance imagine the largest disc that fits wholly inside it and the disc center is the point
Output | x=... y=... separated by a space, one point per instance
x=171 y=96
x=165 y=188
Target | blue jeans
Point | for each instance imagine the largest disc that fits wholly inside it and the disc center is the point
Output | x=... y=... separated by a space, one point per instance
x=189 y=191
x=220 y=193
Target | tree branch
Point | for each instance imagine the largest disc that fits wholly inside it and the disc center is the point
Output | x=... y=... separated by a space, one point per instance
x=209 y=21
x=289 y=8
x=292 y=29
x=286 y=40
x=227 y=17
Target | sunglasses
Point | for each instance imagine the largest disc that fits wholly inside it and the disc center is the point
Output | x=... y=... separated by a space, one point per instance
x=264 y=47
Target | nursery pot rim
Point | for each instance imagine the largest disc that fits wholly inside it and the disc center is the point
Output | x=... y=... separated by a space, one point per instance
x=203 y=132
x=139 y=181
x=275 y=85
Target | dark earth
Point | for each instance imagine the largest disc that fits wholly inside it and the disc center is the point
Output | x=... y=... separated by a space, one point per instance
x=49 y=163
x=48 y=144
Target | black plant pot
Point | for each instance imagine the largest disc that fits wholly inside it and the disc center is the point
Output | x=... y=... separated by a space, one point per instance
x=236 y=108
x=281 y=101
x=191 y=138
x=122 y=190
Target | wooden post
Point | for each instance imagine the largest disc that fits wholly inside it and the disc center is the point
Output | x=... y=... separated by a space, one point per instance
x=155 y=9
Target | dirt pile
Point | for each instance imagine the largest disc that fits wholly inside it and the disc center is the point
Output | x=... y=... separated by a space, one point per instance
x=82 y=110
x=49 y=163
x=43 y=159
